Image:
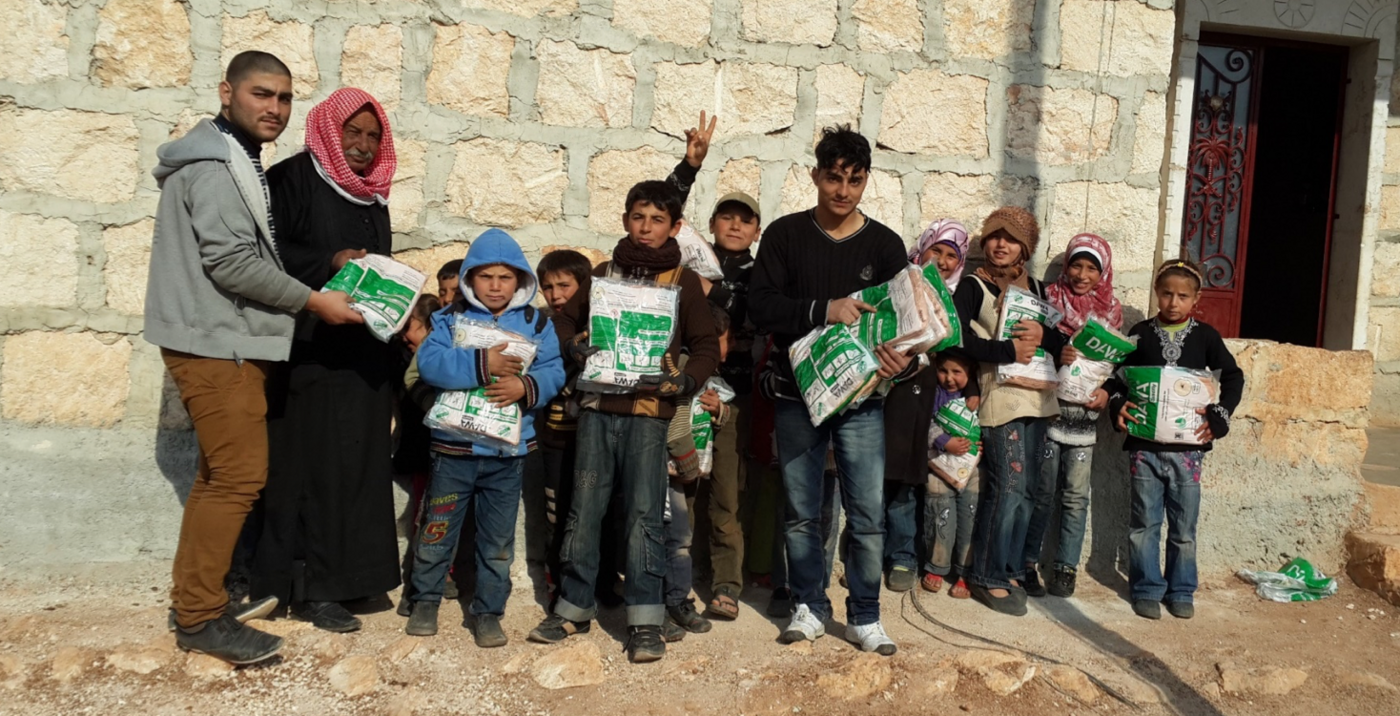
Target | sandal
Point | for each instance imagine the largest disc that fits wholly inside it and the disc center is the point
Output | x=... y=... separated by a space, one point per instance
x=932 y=583
x=960 y=591
x=723 y=606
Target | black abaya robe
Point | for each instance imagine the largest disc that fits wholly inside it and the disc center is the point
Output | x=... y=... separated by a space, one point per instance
x=328 y=508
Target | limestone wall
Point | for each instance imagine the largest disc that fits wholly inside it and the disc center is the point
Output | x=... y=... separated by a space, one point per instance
x=537 y=115
x=1383 y=334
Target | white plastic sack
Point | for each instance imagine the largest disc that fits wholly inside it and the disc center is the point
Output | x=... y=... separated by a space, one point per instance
x=1167 y=400
x=1100 y=348
x=1021 y=305
x=383 y=291
x=631 y=323
x=697 y=254
x=702 y=427
x=834 y=371
x=467 y=413
x=908 y=314
x=958 y=421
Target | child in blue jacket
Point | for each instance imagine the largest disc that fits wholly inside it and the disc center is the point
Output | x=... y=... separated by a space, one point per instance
x=496 y=286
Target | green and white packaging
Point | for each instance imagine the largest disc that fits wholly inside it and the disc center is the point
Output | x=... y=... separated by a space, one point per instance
x=958 y=421
x=909 y=315
x=1297 y=581
x=1019 y=305
x=834 y=369
x=383 y=291
x=1100 y=348
x=631 y=323
x=1167 y=400
x=702 y=428
x=948 y=313
x=467 y=413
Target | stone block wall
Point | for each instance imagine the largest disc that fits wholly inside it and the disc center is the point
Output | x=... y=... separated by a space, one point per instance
x=537 y=115
x=1383 y=334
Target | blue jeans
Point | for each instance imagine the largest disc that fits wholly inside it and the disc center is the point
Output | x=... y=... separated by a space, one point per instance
x=1171 y=480
x=831 y=531
x=948 y=518
x=491 y=486
x=1065 y=472
x=680 y=531
x=859 y=440
x=626 y=453
x=1010 y=476
x=902 y=502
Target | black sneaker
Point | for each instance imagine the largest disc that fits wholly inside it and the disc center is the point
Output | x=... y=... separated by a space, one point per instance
x=671 y=632
x=1031 y=582
x=488 y=631
x=1181 y=610
x=330 y=616
x=555 y=629
x=224 y=638
x=1062 y=581
x=423 y=620
x=900 y=579
x=780 y=605
x=242 y=613
x=1147 y=609
x=405 y=608
x=685 y=615
x=644 y=644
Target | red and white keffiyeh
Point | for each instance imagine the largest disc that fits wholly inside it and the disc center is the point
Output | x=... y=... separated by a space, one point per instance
x=324 y=126
x=1099 y=301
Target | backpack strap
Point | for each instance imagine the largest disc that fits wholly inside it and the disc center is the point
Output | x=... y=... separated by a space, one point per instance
x=536 y=317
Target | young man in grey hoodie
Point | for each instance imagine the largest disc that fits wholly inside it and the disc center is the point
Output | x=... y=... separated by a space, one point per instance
x=221 y=308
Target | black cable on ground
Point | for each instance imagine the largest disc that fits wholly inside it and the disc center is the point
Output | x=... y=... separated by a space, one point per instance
x=1005 y=648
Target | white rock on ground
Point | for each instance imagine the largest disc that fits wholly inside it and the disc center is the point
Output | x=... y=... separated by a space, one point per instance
x=570 y=666
x=355 y=675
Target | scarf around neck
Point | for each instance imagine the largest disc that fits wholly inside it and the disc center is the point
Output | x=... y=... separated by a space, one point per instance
x=636 y=260
x=1099 y=301
x=324 y=127
x=1004 y=277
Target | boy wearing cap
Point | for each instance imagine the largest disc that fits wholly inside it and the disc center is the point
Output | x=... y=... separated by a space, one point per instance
x=735 y=225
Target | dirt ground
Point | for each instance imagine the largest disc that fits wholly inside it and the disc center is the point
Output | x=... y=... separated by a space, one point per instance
x=95 y=643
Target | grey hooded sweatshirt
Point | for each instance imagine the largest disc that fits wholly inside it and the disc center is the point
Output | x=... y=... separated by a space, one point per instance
x=216 y=287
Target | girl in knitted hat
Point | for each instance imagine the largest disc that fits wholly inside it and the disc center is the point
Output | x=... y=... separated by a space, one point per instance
x=1014 y=419
x=1084 y=291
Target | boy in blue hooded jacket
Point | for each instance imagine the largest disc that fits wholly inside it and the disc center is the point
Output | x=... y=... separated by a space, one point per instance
x=497 y=286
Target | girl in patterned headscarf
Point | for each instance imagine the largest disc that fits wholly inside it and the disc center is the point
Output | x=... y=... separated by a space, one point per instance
x=1084 y=291
x=945 y=242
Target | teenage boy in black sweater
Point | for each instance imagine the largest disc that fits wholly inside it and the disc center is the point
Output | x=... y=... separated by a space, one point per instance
x=807 y=265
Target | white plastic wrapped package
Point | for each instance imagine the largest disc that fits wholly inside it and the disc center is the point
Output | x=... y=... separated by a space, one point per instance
x=697 y=254
x=1019 y=305
x=1167 y=400
x=702 y=427
x=383 y=291
x=834 y=371
x=958 y=421
x=467 y=413
x=631 y=323
x=909 y=314
x=1100 y=348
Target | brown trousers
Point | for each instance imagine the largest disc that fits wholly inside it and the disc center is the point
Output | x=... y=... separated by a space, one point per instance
x=725 y=485
x=227 y=403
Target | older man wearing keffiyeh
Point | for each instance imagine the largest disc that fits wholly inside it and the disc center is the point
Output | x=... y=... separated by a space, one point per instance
x=328 y=534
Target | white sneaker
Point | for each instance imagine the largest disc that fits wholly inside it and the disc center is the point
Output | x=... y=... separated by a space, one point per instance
x=871 y=637
x=804 y=625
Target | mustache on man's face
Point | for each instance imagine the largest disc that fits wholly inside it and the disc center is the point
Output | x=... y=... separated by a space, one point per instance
x=359 y=155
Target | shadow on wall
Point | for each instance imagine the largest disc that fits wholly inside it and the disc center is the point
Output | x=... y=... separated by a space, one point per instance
x=177 y=451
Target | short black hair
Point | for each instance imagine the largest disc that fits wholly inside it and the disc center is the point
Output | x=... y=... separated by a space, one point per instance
x=843 y=146
x=957 y=356
x=250 y=61
x=657 y=193
x=737 y=207
x=451 y=269
x=721 y=319
x=565 y=261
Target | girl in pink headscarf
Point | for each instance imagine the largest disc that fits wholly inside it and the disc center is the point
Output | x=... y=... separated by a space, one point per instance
x=1084 y=291
x=944 y=242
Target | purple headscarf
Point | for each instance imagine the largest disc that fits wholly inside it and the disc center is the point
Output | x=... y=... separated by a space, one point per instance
x=943 y=231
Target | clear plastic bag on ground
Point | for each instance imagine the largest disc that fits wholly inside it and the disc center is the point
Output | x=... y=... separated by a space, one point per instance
x=834 y=370
x=1018 y=304
x=383 y=290
x=958 y=421
x=631 y=323
x=1297 y=581
x=1100 y=349
x=1167 y=400
x=467 y=413
x=697 y=254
